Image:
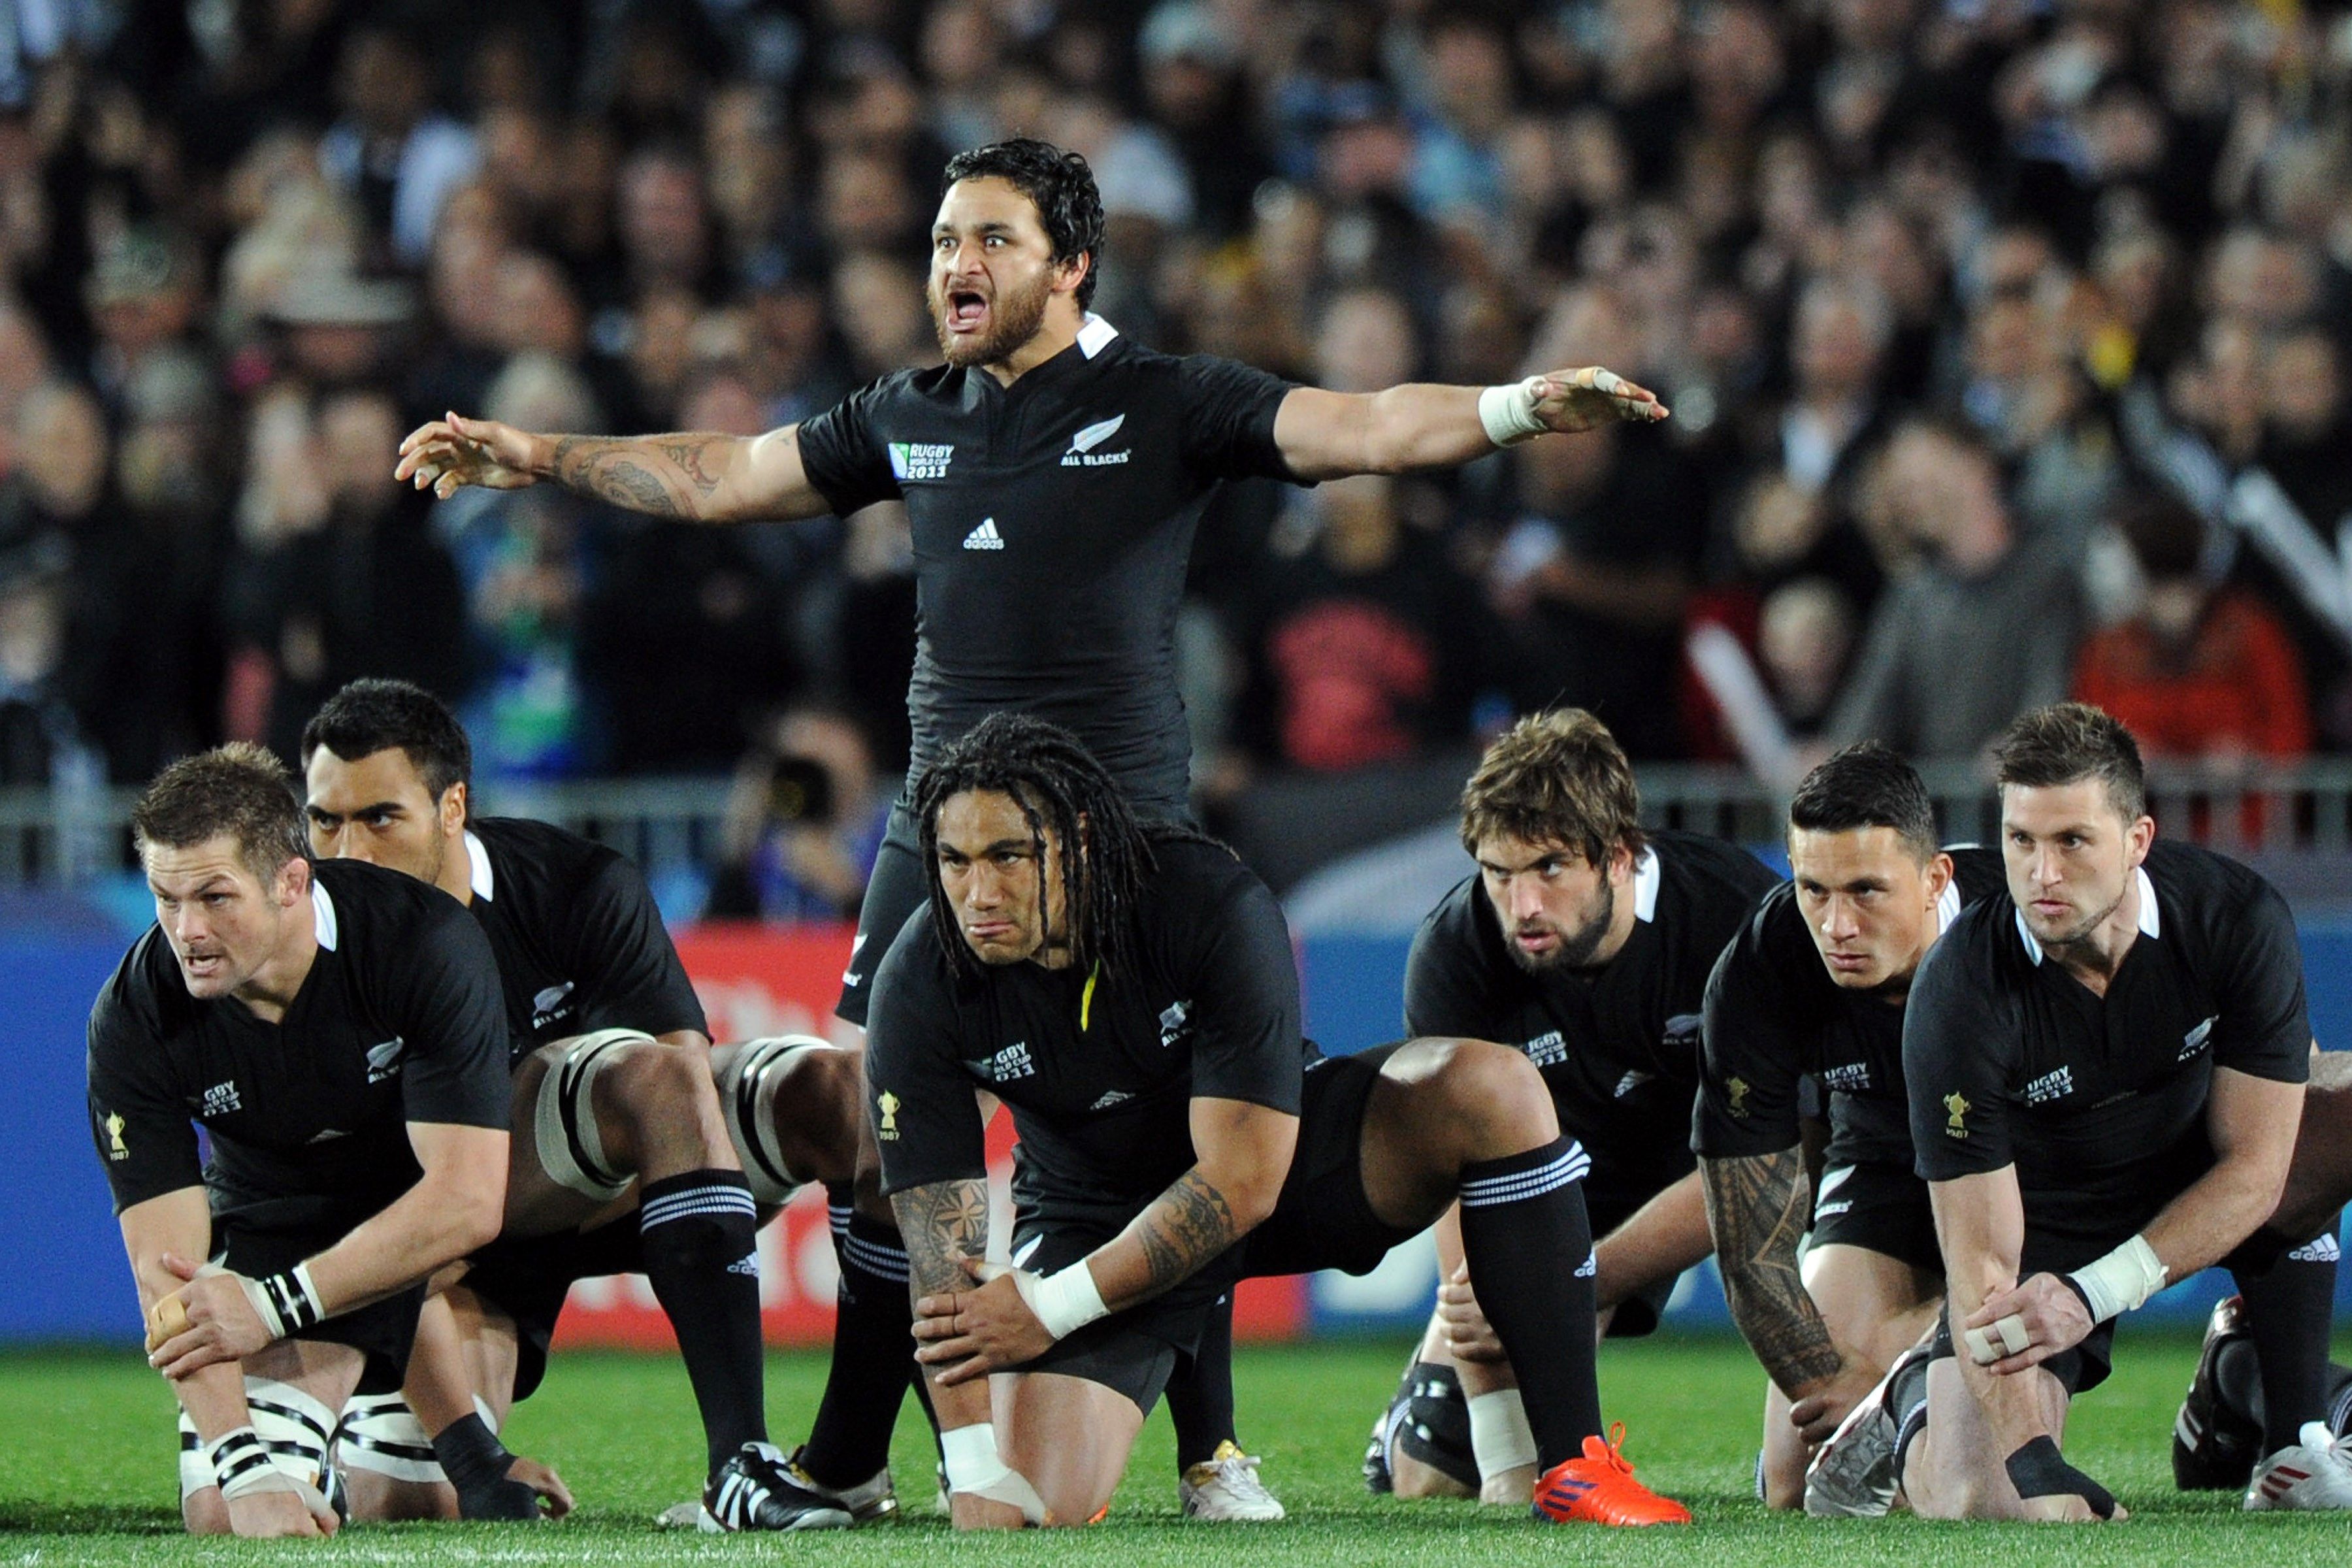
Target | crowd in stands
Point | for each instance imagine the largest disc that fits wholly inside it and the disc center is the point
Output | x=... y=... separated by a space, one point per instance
x=2007 y=343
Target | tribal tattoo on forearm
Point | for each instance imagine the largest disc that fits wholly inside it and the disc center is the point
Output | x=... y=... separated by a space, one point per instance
x=1185 y=1226
x=1757 y=1208
x=666 y=476
x=943 y=1224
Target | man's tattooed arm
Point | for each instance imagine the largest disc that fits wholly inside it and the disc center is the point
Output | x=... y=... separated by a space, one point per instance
x=669 y=476
x=943 y=1224
x=1182 y=1229
x=1757 y=1208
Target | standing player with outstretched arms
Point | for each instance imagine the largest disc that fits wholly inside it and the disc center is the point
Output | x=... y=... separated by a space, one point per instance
x=626 y=1153
x=1815 y=986
x=1053 y=473
x=1127 y=992
x=1583 y=942
x=2106 y=1070
x=336 y=1031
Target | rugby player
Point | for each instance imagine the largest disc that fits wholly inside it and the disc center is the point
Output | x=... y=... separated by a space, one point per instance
x=1053 y=473
x=625 y=1153
x=337 y=1032
x=1813 y=988
x=2105 y=1068
x=1584 y=943
x=1129 y=993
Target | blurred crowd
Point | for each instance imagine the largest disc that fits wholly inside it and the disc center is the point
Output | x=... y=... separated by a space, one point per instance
x=2006 y=344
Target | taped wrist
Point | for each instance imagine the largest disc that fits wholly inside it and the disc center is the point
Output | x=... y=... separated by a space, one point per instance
x=285 y=1301
x=1509 y=412
x=974 y=1467
x=2120 y=1281
x=2039 y=1469
x=1065 y=1301
x=1500 y=1433
x=470 y=1453
x=241 y=1465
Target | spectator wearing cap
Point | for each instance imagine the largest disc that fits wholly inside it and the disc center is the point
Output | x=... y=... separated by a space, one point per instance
x=142 y=295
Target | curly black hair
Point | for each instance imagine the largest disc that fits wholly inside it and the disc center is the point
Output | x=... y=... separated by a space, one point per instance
x=1057 y=182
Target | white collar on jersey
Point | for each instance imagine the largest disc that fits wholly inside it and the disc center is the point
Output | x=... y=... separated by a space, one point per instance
x=478 y=859
x=2150 y=924
x=1645 y=886
x=1094 y=335
x=322 y=915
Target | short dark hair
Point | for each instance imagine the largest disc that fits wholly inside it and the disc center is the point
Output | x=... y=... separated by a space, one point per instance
x=2067 y=742
x=240 y=790
x=373 y=715
x=2165 y=534
x=1866 y=785
x=1057 y=182
x=1556 y=777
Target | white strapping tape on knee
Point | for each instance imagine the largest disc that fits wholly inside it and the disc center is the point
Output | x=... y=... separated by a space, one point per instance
x=2013 y=1339
x=748 y=1076
x=381 y=1435
x=563 y=1121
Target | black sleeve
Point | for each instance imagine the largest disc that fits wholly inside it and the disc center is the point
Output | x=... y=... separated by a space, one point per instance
x=1751 y=1051
x=140 y=1125
x=442 y=993
x=1447 y=988
x=1229 y=411
x=618 y=937
x=1961 y=1041
x=843 y=458
x=2266 y=1028
x=926 y=1120
x=1247 y=1036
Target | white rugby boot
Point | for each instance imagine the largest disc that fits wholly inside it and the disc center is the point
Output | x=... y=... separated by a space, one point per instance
x=1224 y=1487
x=2314 y=1474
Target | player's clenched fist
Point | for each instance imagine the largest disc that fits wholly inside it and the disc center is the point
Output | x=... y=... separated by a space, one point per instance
x=452 y=452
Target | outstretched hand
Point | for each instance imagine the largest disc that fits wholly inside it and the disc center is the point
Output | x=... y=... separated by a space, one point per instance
x=1585 y=398
x=451 y=452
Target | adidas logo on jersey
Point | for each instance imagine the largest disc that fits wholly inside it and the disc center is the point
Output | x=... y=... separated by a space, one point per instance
x=1082 y=453
x=747 y=1264
x=1630 y=1082
x=984 y=537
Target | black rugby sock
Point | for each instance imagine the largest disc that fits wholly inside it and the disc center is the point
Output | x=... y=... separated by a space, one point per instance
x=1529 y=1247
x=2290 y=1311
x=699 y=1232
x=873 y=1348
x=1201 y=1394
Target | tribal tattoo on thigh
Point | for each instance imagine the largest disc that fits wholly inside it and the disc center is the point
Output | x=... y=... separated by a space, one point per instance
x=1757 y=1208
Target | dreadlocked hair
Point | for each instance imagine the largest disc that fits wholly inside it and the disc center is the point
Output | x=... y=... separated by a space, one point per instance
x=1058 y=784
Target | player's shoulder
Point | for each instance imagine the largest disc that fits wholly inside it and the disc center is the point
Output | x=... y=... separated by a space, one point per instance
x=1703 y=867
x=538 y=857
x=2210 y=893
x=146 y=994
x=1460 y=921
x=1985 y=944
x=358 y=906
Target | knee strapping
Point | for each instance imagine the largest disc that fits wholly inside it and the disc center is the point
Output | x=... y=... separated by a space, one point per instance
x=295 y=1429
x=571 y=1149
x=379 y=1433
x=748 y=1079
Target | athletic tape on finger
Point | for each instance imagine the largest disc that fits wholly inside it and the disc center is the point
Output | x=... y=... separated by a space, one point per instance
x=2013 y=1340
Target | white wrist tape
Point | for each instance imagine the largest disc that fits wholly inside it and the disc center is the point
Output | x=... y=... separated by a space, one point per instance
x=1509 y=412
x=2121 y=1281
x=2013 y=1338
x=974 y=1467
x=241 y=1465
x=1064 y=1302
x=284 y=1301
x=1500 y=1433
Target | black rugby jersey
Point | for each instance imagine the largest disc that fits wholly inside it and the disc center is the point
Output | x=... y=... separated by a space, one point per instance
x=1617 y=1047
x=1052 y=524
x=580 y=944
x=1099 y=1072
x=1774 y=1016
x=397 y=1021
x=2100 y=1102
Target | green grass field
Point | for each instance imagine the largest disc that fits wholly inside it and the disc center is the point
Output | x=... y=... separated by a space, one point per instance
x=87 y=1476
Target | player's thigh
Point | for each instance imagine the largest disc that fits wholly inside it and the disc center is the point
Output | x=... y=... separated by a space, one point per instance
x=1956 y=1468
x=1434 y=1105
x=1070 y=1435
x=2319 y=1179
x=559 y=1174
x=1871 y=1302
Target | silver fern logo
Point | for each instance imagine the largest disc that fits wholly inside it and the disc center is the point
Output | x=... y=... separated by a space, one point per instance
x=1082 y=453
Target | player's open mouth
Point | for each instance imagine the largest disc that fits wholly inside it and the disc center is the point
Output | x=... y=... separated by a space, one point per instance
x=966 y=310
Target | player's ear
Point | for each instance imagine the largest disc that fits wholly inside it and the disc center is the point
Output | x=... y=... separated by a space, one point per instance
x=454 y=806
x=1071 y=273
x=1939 y=875
x=292 y=883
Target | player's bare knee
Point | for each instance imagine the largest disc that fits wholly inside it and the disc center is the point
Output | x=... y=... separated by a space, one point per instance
x=823 y=1089
x=1495 y=1095
x=652 y=1094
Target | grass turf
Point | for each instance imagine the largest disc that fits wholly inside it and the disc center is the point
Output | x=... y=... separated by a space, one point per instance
x=87 y=1476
